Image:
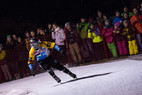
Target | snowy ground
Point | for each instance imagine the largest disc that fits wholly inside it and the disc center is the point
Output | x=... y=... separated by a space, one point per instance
x=119 y=77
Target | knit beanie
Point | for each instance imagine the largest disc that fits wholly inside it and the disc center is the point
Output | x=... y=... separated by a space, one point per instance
x=67 y=24
x=8 y=36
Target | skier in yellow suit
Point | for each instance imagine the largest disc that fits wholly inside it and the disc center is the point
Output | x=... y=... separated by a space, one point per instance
x=40 y=51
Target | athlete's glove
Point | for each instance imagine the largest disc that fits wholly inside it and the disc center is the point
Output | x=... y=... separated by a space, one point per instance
x=31 y=69
x=59 y=49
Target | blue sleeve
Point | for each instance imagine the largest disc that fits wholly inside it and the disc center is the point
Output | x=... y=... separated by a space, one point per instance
x=57 y=47
x=31 y=66
x=114 y=21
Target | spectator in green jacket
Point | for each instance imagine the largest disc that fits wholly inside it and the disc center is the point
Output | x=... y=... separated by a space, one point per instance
x=125 y=10
x=86 y=47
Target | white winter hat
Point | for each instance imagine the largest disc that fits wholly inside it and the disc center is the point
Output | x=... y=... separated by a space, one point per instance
x=67 y=24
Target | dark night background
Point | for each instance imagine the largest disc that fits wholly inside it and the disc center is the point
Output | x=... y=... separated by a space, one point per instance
x=18 y=16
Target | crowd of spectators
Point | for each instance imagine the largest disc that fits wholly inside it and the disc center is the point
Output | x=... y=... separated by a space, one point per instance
x=89 y=40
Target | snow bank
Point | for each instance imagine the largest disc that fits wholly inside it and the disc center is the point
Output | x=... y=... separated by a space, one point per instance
x=18 y=92
x=119 y=77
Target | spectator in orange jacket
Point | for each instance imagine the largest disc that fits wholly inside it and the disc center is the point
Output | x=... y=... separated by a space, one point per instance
x=136 y=21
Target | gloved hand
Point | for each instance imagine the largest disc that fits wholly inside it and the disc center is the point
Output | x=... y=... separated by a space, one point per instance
x=31 y=69
x=61 y=51
x=58 y=48
x=30 y=66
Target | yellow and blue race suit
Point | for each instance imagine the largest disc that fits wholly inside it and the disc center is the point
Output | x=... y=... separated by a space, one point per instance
x=42 y=52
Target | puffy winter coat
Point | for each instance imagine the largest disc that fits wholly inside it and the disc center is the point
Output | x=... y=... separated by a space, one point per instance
x=95 y=35
x=83 y=30
x=129 y=33
x=117 y=19
x=136 y=21
x=71 y=36
x=108 y=34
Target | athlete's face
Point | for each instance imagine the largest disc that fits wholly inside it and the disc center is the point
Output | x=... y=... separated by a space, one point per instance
x=35 y=45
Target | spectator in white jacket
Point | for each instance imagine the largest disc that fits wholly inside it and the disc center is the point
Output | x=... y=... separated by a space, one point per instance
x=59 y=36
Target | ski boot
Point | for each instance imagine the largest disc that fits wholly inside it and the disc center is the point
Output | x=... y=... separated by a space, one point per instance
x=72 y=75
x=69 y=73
x=54 y=76
x=57 y=79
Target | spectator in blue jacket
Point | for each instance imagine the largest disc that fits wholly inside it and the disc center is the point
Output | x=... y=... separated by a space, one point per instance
x=117 y=18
